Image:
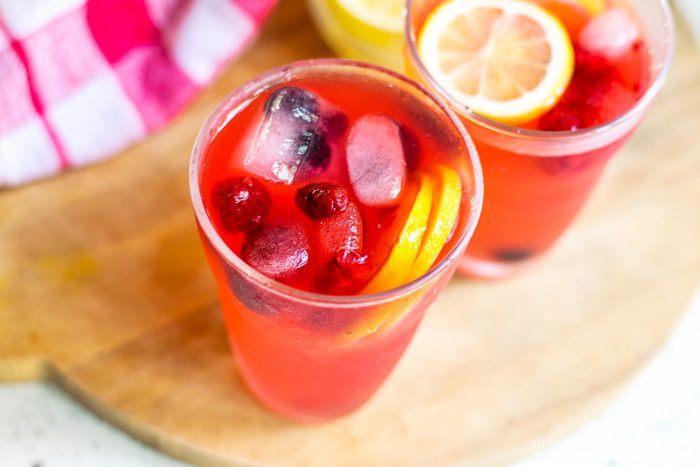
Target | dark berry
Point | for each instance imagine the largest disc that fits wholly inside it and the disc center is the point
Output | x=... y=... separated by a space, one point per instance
x=563 y=117
x=513 y=255
x=591 y=98
x=411 y=147
x=350 y=264
x=313 y=150
x=335 y=125
x=346 y=272
x=321 y=200
x=278 y=251
x=242 y=203
x=565 y=165
x=251 y=295
x=297 y=102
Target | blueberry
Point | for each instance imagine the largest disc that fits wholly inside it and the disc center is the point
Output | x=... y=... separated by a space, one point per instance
x=297 y=102
x=565 y=165
x=335 y=125
x=313 y=150
x=250 y=295
x=513 y=255
x=411 y=147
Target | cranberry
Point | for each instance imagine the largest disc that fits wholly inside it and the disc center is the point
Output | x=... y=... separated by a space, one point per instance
x=242 y=203
x=322 y=200
x=350 y=264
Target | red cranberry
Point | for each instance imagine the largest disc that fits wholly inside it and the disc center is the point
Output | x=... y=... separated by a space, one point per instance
x=242 y=202
x=322 y=200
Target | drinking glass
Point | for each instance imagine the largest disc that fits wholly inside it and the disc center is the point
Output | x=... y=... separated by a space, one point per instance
x=295 y=349
x=535 y=181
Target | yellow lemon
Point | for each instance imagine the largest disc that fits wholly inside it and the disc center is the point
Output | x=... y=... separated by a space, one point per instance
x=508 y=60
x=445 y=210
x=403 y=255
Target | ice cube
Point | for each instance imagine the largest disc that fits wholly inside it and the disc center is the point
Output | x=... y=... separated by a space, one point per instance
x=610 y=34
x=295 y=102
x=278 y=251
x=376 y=162
x=291 y=143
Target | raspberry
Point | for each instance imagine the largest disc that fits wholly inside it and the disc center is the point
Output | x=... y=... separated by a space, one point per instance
x=595 y=96
x=322 y=200
x=242 y=203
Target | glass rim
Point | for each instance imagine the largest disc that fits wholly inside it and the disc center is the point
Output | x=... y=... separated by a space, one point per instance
x=522 y=133
x=231 y=105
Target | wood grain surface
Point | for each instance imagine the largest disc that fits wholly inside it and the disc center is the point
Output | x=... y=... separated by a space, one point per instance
x=104 y=289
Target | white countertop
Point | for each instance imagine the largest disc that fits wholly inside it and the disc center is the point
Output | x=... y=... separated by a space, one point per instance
x=655 y=422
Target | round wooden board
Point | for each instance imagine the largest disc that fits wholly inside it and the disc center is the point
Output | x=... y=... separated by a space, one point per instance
x=104 y=289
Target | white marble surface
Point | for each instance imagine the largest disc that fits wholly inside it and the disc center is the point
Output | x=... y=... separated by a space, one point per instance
x=656 y=422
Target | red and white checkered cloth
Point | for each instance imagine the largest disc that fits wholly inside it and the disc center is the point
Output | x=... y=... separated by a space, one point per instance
x=81 y=79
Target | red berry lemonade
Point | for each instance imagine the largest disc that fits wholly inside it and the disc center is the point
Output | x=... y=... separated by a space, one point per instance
x=334 y=200
x=544 y=145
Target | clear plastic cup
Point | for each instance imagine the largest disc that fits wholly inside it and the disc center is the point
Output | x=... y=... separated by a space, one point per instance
x=536 y=182
x=292 y=347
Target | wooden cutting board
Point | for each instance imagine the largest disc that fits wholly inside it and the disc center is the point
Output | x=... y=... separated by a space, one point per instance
x=104 y=289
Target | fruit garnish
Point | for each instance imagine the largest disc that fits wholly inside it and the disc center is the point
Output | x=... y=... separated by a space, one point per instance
x=321 y=200
x=242 y=203
x=595 y=96
x=446 y=202
x=508 y=60
x=403 y=255
x=341 y=231
x=346 y=272
x=611 y=34
x=278 y=251
x=443 y=209
x=376 y=162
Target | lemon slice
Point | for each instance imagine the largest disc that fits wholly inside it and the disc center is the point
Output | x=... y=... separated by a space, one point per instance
x=508 y=60
x=403 y=255
x=443 y=215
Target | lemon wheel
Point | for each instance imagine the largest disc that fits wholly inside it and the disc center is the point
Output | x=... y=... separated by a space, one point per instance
x=508 y=60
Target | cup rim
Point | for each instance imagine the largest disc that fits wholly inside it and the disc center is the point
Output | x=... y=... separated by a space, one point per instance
x=527 y=134
x=231 y=105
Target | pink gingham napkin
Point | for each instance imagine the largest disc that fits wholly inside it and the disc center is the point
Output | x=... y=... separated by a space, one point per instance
x=82 y=79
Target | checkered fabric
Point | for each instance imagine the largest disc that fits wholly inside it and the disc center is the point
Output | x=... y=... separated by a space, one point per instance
x=82 y=79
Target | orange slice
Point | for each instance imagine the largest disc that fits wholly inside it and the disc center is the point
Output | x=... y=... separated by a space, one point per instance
x=508 y=60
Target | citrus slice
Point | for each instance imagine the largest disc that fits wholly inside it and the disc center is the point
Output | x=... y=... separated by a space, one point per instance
x=446 y=202
x=508 y=60
x=403 y=255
